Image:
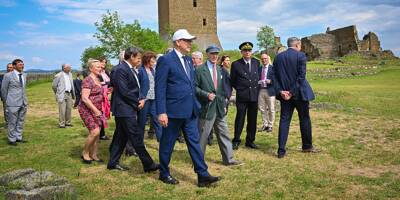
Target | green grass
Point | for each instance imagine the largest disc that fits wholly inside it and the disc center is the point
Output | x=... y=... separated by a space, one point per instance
x=360 y=155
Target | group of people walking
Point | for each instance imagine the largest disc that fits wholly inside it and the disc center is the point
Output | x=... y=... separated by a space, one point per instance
x=184 y=95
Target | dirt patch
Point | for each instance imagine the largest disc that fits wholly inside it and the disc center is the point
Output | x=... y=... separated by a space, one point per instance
x=370 y=172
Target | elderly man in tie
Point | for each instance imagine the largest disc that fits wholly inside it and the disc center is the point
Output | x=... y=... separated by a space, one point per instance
x=266 y=96
x=211 y=94
x=178 y=108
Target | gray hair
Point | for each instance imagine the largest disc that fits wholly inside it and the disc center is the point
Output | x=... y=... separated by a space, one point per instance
x=198 y=54
x=292 y=41
x=64 y=65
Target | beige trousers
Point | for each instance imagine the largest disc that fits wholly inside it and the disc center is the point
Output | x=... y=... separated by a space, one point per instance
x=266 y=105
x=64 y=110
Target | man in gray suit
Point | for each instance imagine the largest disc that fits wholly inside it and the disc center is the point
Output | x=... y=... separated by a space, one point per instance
x=63 y=88
x=14 y=95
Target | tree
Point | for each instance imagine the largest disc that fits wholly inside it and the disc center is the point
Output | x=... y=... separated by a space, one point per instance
x=95 y=52
x=266 y=37
x=114 y=36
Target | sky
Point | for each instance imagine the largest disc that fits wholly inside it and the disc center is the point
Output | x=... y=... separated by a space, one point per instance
x=48 y=33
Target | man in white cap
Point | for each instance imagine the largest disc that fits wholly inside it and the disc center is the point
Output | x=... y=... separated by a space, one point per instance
x=178 y=108
x=211 y=94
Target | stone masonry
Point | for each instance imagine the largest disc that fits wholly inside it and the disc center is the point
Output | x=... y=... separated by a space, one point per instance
x=199 y=17
x=340 y=42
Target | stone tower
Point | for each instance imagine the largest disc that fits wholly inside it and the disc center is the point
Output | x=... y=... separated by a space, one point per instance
x=199 y=17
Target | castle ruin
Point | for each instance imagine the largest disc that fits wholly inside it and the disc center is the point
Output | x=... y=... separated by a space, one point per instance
x=199 y=17
x=340 y=42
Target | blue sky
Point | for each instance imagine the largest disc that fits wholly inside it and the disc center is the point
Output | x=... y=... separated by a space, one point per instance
x=47 y=33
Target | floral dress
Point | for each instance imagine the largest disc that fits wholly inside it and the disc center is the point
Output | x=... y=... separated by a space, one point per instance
x=97 y=98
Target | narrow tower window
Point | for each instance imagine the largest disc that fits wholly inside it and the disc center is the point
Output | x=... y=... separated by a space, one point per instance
x=204 y=22
x=194 y=3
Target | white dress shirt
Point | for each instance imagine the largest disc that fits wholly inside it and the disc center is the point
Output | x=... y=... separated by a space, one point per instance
x=68 y=87
x=17 y=74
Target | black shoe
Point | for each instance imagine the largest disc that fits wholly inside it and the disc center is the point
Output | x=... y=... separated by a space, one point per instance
x=104 y=138
x=251 y=145
x=88 y=162
x=311 y=150
x=169 y=180
x=70 y=125
x=264 y=128
x=22 y=141
x=281 y=155
x=12 y=143
x=118 y=167
x=209 y=142
x=204 y=181
x=234 y=163
x=269 y=129
x=152 y=168
x=235 y=145
x=181 y=139
x=99 y=160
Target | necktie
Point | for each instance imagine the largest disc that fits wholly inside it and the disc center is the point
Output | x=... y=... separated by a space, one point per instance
x=263 y=77
x=248 y=66
x=20 y=79
x=187 y=68
x=136 y=76
x=215 y=79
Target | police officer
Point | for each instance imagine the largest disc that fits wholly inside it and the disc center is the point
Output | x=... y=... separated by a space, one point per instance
x=244 y=78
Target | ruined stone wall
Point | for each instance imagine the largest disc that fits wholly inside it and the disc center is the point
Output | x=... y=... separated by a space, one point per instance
x=199 y=17
x=319 y=46
x=370 y=42
x=347 y=39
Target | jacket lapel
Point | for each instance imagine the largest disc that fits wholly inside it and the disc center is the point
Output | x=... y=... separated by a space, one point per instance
x=179 y=65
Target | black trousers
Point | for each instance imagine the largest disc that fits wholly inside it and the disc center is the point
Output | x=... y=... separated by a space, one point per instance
x=243 y=108
x=287 y=108
x=127 y=130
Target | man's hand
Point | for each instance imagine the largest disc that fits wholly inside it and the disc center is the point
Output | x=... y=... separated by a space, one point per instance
x=211 y=96
x=163 y=119
x=286 y=95
x=268 y=81
x=141 y=104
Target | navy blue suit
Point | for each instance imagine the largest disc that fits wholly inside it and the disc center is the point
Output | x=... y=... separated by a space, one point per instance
x=150 y=104
x=270 y=75
x=124 y=106
x=176 y=97
x=290 y=75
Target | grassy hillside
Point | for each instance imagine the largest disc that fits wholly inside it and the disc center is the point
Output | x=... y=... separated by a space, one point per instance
x=359 y=140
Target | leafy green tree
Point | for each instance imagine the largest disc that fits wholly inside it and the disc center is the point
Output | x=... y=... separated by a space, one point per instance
x=266 y=37
x=95 y=52
x=114 y=35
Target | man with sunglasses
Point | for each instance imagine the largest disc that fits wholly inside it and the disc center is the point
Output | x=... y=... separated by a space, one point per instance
x=244 y=78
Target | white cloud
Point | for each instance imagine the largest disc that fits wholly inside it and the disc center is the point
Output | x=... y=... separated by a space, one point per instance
x=7 y=56
x=37 y=60
x=88 y=12
x=45 y=40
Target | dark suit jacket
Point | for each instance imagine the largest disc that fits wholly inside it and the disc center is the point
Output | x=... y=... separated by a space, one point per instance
x=125 y=97
x=144 y=81
x=204 y=86
x=290 y=74
x=270 y=76
x=245 y=82
x=226 y=83
x=175 y=92
x=77 y=87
